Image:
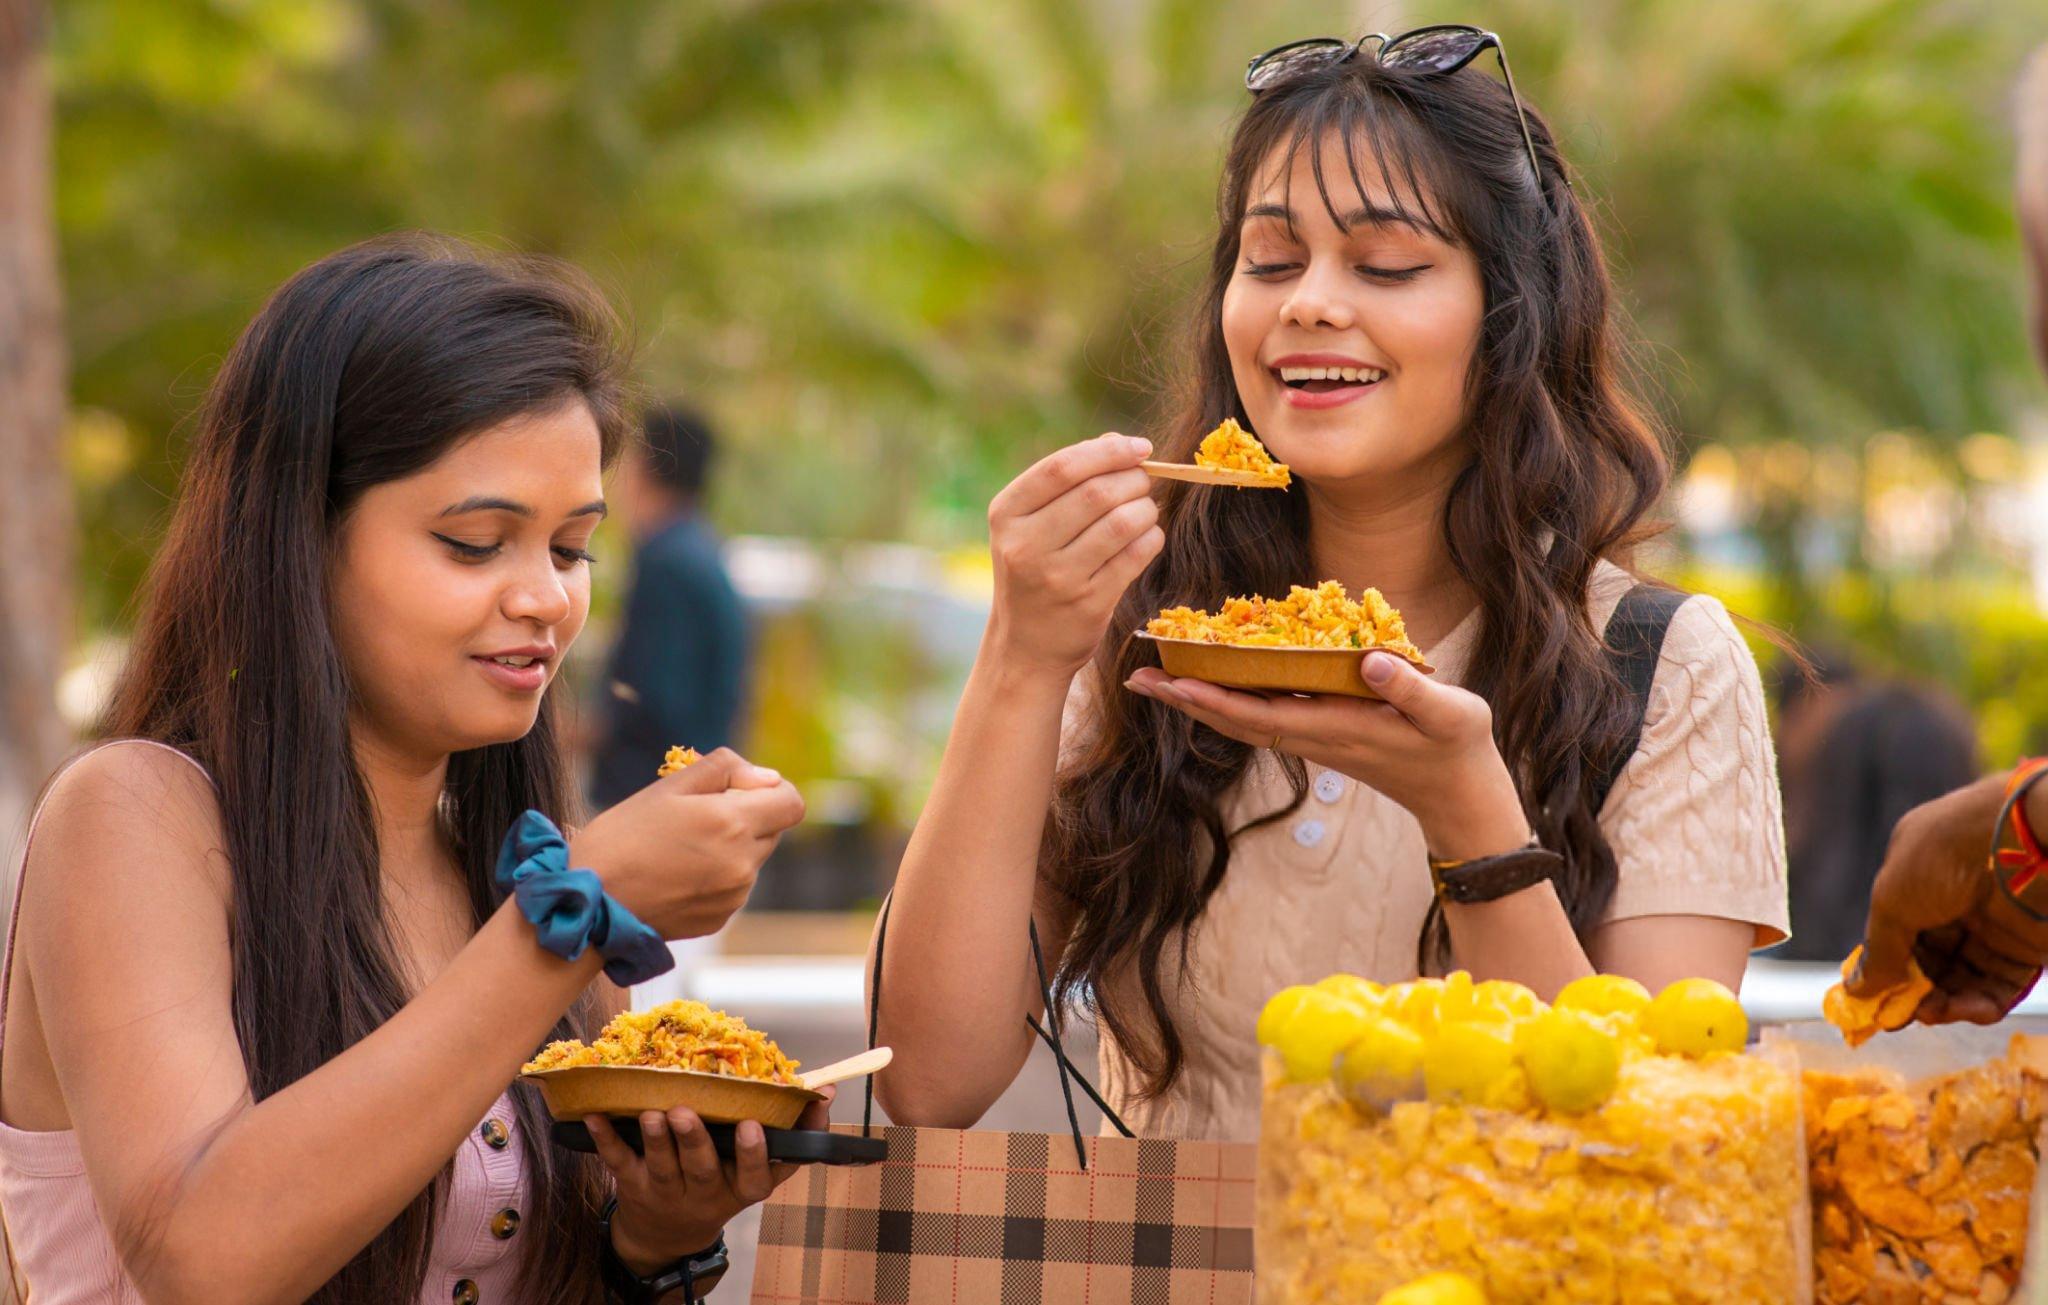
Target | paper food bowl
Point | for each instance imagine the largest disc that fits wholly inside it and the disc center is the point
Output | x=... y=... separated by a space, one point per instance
x=581 y=1090
x=1276 y=670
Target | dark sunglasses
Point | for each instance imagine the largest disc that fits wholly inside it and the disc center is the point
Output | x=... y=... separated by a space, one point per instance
x=1443 y=48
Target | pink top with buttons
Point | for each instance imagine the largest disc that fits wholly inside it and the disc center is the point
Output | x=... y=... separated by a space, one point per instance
x=62 y=1255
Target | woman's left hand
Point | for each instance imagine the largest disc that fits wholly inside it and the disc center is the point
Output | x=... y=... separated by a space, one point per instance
x=1427 y=746
x=676 y=1198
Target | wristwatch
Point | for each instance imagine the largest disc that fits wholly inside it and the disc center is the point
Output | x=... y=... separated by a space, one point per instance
x=1489 y=878
x=694 y=1275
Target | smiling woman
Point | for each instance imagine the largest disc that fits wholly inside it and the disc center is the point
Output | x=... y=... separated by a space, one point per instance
x=265 y=918
x=1405 y=304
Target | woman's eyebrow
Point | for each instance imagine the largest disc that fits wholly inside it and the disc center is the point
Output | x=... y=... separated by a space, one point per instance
x=491 y=503
x=1367 y=215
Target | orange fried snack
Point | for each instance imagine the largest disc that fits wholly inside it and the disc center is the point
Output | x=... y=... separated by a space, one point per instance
x=676 y=759
x=1230 y=447
x=1862 y=1018
x=1921 y=1192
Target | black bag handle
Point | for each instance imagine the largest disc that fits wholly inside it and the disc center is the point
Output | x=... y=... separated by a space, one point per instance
x=1049 y=1033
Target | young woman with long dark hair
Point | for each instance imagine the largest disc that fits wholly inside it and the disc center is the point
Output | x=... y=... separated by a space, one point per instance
x=264 y=1000
x=1407 y=303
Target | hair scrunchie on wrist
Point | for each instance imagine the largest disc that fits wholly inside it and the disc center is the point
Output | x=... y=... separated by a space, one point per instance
x=569 y=909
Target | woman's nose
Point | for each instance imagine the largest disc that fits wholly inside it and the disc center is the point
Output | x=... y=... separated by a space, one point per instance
x=1319 y=299
x=539 y=595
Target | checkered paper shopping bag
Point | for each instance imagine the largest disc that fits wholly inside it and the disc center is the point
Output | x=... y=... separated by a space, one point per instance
x=987 y=1218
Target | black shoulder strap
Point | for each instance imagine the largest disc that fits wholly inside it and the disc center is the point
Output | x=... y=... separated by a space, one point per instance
x=1635 y=639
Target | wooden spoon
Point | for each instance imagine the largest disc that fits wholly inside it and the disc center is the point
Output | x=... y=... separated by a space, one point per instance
x=867 y=1062
x=1199 y=475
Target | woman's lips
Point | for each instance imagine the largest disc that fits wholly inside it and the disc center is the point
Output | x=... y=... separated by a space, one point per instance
x=530 y=678
x=1330 y=398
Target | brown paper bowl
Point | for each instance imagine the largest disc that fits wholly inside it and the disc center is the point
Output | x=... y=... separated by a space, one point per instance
x=583 y=1090
x=1273 y=670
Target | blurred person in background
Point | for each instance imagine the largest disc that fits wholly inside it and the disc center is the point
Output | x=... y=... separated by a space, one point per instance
x=1964 y=888
x=678 y=669
x=1855 y=755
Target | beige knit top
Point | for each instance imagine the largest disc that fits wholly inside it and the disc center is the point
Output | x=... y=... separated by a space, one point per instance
x=1343 y=883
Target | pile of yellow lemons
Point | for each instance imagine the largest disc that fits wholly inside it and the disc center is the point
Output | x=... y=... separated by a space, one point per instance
x=1491 y=1043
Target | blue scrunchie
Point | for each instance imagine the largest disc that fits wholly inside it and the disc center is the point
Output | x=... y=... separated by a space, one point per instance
x=570 y=910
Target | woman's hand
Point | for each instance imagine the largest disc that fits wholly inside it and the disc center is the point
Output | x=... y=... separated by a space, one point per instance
x=1068 y=537
x=1935 y=901
x=676 y=1197
x=682 y=853
x=1427 y=746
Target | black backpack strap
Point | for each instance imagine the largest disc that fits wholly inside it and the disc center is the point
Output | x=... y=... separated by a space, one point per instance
x=1635 y=640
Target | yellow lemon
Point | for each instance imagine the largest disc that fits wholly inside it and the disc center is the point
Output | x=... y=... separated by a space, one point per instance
x=1506 y=999
x=1571 y=1057
x=1279 y=1009
x=1322 y=1025
x=1696 y=1017
x=1472 y=1063
x=1437 y=1289
x=1604 y=994
x=1415 y=1003
x=1363 y=992
x=1382 y=1065
x=1455 y=1000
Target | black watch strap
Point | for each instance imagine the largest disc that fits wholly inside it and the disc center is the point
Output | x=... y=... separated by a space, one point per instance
x=693 y=1276
x=1489 y=878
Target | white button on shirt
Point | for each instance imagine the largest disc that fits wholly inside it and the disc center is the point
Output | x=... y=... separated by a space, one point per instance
x=1308 y=833
x=1329 y=786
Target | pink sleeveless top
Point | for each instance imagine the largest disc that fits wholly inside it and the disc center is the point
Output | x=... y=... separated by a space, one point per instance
x=62 y=1255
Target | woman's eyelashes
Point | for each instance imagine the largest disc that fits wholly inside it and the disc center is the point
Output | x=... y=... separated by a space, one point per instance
x=566 y=555
x=1385 y=275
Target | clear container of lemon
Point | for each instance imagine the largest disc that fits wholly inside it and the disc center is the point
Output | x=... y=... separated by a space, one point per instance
x=1611 y=1146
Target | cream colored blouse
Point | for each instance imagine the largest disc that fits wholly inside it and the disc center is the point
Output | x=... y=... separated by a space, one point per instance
x=1343 y=883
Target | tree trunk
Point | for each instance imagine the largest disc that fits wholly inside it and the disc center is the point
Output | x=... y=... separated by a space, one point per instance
x=36 y=521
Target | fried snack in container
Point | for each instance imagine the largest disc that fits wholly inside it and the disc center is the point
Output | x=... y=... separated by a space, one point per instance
x=1549 y=1176
x=1924 y=1160
x=1862 y=1018
x=676 y=1035
x=1323 y=617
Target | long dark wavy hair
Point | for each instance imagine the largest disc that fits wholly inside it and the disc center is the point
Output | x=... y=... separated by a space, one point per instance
x=1564 y=469
x=363 y=368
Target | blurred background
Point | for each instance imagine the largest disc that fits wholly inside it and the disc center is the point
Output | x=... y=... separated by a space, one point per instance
x=897 y=249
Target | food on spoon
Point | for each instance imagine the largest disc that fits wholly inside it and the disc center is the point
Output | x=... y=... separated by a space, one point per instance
x=676 y=760
x=1862 y=1018
x=676 y=1035
x=1230 y=447
x=1322 y=617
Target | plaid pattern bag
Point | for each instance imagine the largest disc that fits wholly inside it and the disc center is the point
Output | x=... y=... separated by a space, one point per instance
x=989 y=1218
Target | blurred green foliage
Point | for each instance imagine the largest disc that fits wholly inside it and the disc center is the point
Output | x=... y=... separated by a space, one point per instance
x=899 y=246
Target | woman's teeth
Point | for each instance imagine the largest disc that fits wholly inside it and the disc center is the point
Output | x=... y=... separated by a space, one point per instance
x=513 y=661
x=1340 y=375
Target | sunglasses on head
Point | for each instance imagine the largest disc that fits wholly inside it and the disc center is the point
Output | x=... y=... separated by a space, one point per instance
x=1443 y=48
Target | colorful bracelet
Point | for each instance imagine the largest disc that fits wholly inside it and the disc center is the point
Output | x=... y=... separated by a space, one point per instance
x=569 y=909
x=2017 y=868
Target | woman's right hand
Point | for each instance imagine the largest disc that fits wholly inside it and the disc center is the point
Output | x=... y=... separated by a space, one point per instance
x=682 y=853
x=1068 y=537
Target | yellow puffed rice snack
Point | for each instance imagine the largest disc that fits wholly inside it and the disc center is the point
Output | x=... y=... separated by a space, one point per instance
x=1230 y=447
x=1322 y=617
x=676 y=759
x=1549 y=1155
x=676 y=1035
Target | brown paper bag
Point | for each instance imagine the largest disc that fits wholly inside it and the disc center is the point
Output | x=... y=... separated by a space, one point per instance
x=988 y=1218
x=982 y=1218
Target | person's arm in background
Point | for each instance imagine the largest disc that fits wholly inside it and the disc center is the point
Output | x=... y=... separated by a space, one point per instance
x=1937 y=902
